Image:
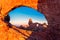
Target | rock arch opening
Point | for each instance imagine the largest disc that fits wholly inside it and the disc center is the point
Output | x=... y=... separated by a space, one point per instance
x=23 y=16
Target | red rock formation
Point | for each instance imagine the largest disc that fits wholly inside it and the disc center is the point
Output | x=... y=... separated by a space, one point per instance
x=50 y=8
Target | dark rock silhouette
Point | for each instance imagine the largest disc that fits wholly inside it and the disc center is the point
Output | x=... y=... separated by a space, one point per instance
x=21 y=27
x=7 y=18
x=35 y=27
x=30 y=21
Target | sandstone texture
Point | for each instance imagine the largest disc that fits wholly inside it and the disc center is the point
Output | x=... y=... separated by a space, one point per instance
x=51 y=10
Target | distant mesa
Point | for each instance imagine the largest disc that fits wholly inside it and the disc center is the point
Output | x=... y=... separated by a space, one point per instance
x=34 y=26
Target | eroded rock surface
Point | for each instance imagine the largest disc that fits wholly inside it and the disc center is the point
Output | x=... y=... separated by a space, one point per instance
x=50 y=8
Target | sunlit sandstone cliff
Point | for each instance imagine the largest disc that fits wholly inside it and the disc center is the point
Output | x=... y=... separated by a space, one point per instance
x=7 y=33
x=50 y=8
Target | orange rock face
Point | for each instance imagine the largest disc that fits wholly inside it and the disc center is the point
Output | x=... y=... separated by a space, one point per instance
x=7 y=5
x=7 y=33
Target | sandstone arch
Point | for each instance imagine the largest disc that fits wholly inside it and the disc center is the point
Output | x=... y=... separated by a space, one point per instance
x=50 y=8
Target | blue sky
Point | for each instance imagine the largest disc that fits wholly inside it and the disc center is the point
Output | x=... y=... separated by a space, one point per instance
x=21 y=15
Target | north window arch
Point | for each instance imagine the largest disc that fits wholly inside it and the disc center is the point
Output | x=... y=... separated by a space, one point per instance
x=20 y=16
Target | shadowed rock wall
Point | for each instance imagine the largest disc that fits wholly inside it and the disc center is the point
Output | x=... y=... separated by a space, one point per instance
x=51 y=9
